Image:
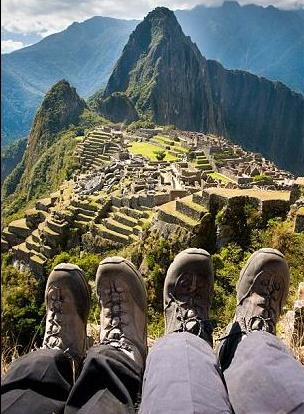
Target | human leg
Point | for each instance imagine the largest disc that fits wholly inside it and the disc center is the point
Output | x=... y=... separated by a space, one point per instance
x=41 y=380
x=111 y=378
x=261 y=375
x=182 y=374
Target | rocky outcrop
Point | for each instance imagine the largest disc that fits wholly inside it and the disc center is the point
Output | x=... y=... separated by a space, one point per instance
x=118 y=108
x=165 y=75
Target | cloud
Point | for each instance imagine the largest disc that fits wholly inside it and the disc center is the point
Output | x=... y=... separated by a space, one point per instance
x=49 y=16
x=8 y=46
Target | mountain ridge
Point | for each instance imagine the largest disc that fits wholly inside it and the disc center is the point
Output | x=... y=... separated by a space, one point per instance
x=30 y=72
x=163 y=73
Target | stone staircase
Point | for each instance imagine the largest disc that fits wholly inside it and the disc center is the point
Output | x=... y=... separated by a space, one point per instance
x=15 y=233
x=201 y=162
x=41 y=244
x=123 y=224
x=84 y=213
x=186 y=212
x=97 y=149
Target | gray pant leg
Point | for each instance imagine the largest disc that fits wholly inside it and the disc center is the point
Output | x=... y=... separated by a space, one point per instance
x=264 y=378
x=182 y=376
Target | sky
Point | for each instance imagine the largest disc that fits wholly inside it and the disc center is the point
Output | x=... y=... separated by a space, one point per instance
x=25 y=22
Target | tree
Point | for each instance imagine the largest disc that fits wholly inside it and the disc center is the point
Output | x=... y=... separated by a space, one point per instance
x=160 y=155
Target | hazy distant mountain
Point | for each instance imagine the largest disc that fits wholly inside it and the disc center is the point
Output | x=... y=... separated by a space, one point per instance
x=84 y=54
x=161 y=72
x=266 y=41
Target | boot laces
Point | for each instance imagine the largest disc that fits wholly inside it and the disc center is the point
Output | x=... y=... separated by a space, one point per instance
x=53 y=335
x=187 y=317
x=114 y=335
x=265 y=321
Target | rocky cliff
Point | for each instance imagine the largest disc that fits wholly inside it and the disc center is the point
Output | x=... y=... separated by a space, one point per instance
x=117 y=108
x=260 y=115
x=165 y=75
x=11 y=156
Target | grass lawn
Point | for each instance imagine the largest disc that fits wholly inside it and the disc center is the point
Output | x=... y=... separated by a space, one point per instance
x=147 y=150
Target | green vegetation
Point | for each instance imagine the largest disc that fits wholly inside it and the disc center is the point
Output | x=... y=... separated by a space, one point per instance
x=22 y=311
x=148 y=150
x=54 y=166
x=172 y=144
x=11 y=156
x=145 y=121
x=224 y=154
x=219 y=177
x=160 y=155
x=262 y=179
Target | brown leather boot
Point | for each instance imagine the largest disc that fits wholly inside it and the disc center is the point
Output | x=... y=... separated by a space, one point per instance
x=188 y=293
x=67 y=297
x=123 y=301
x=261 y=294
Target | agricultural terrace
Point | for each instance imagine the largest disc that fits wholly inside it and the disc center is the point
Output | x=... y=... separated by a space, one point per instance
x=148 y=150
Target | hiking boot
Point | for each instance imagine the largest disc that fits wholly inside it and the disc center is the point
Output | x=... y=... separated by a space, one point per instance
x=123 y=301
x=188 y=293
x=67 y=297
x=261 y=294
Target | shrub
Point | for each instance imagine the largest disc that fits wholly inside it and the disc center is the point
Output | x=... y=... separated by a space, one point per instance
x=22 y=309
x=160 y=155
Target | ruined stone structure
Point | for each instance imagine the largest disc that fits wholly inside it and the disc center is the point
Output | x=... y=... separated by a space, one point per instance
x=113 y=198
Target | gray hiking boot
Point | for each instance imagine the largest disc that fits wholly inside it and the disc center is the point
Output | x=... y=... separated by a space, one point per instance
x=123 y=300
x=67 y=297
x=188 y=293
x=261 y=294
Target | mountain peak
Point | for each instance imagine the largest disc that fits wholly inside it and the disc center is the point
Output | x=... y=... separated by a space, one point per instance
x=60 y=107
x=159 y=61
x=148 y=46
x=162 y=19
x=160 y=13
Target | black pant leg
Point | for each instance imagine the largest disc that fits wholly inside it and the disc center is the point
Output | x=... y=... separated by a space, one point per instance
x=110 y=382
x=37 y=383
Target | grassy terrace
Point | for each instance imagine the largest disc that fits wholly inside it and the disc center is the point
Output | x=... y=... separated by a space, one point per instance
x=250 y=192
x=220 y=177
x=170 y=209
x=147 y=150
x=174 y=145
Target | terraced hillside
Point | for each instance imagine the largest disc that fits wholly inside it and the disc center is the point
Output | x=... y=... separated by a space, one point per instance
x=97 y=148
x=124 y=225
x=201 y=162
x=59 y=222
x=185 y=212
x=172 y=145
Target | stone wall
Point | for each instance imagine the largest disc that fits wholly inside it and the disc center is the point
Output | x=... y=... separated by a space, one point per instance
x=299 y=221
x=174 y=194
x=274 y=208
